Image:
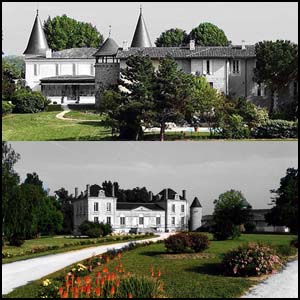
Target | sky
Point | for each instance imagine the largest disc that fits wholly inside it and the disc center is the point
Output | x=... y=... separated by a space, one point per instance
x=249 y=21
x=203 y=169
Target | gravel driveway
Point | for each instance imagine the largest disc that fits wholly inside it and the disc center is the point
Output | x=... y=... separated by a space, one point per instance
x=21 y=272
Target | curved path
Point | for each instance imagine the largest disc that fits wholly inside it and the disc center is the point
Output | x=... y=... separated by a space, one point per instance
x=21 y=272
x=281 y=285
x=60 y=116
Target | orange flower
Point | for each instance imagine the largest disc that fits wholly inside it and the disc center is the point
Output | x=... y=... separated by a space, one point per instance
x=112 y=276
x=119 y=255
x=67 y=277
x=98 y=274
x=97 y=291
x=87 y=279
x=117 y=282
x=102 y=281
x=108 y=277
x=112 y=290
x=158 y=273
x=105 y=270
x=129 y=295
x=75 y=295
x=88 y=289
x=65 y=294
x=120 y=264
x=107 y=259
x=152 y=274
x=78 y=280
x=60 y=291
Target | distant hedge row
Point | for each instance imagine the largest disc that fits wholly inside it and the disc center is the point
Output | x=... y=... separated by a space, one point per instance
x=276 y=129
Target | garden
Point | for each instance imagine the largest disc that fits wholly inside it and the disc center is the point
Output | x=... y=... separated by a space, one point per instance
x=186 y=265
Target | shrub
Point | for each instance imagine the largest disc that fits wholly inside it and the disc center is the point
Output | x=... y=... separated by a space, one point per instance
x=27 y=101
x=49 y=289
x=199 y=242
x=7 y=108
x=54 y=107
x=15 y=241
x=285 y=250
x=294 y=243
x=249 y=227
x=178 y=243
x=251 y=260
x=223 y=231
x=276 y=129
x=233 y=127
x=93 y=229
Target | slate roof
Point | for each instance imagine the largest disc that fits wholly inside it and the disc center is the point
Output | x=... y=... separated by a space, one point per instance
x=131 y=206
x=171 y=195
x=37 y=44
x=185 y=52
x=196 y=203
x=75 y=53
x=108 y=48
x=141 y=36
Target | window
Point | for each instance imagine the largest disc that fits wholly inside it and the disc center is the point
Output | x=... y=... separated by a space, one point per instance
x=92 y=70
x=211 y=84
x=57 y=69
x=96 y=220
x=108 y=220
x=96 y=206
x=173 y=208
x=173 y=220
x=157 y=220
x=182 y=208
x=235 y=66
x=182 y=221
x=35 y=69
x=261 y=90
x=74 y=69
x=108 y=206
x=208 y=67
x=141 y=220
x=122 y=220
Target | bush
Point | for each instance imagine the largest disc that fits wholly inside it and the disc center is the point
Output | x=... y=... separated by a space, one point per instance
x=15 y=241
x=285 y=250
x=251 y=260
x=276 y=129
x=223 y=231
x=233 y=127
x=199 y=241
x=249 y=227
x=93 y=230
x=54 y=107
x=186 y=242
x=27 y=101
x=7 y=108
x=294 y=243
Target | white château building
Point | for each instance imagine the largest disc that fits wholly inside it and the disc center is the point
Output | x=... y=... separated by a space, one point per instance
x=81 y=74
x=166 y=212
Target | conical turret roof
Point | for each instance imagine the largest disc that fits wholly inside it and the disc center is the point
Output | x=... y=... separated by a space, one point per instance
x=196 y=203
x=141 y=38
x=37 y=44
x=108 y=48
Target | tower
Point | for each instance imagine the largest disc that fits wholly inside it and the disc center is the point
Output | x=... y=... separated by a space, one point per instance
x=37 y=44
x=195 y=214
x=107 y=67
x=141 y=38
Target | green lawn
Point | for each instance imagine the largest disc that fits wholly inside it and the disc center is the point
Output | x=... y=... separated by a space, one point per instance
x=65 y=242
x=84 y=115
x=182 y=277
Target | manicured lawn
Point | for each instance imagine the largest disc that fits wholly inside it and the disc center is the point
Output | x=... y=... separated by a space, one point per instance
x=59 y=241
x=84 y=115
x=183 y=277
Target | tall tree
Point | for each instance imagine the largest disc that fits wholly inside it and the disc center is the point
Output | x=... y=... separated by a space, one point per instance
x=231 y=210
x=276 y=65
x=285 y=211
x=172 y=93
x=207 y=34
x=63 y=32
x=173 y=37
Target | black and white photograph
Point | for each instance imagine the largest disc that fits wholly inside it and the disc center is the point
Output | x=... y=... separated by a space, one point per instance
x=150 y=150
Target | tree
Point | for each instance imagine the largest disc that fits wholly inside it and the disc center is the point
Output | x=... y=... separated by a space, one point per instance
x=276 y=66
x=207 y=34
x=172 y=93
x=63 y=32
x=231 y=210
x=173 y=37
x=16 y=64
x=285 y=211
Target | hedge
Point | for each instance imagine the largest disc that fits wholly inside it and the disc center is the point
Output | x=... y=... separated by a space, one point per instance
x=7 y=108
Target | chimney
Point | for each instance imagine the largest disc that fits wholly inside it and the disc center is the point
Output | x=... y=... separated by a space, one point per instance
x=113 y=190
x=192 y=45
x=76 y=192
x=243 y=45
x=88 y=190
x=184 y=194
x=166 y=194
x=49 y=53
x=150 y=196
x=125 y=46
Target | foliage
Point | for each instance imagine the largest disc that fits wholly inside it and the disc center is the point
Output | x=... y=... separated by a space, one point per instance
x=249 y=226
x=284 y=251
x=8 y=81
x=277 y=65
x=294 y=243
x=16 y=65
x=27 y=101
x=276 y=129
x=186 y=242
x=231 y=210
x=94 y=229
x=54 y=107
x=285 y=211
x=251 y=260
x=7 y=108
x=207 y=34
x=234 y=127
x=63 y=32
x=173 y=37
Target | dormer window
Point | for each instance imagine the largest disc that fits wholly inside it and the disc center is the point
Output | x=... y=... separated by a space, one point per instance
x=101 y=193
x=177 y=197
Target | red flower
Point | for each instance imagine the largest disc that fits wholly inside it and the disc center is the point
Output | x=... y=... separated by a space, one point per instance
x=78 y=280
x=117 y=282
x=158 y=273
x=112 y=290
x=129 y=295
x=65 y=294
x=119 y=255
x=60 y=291
x=97 y=291
x=87 y=279
x=98 y=274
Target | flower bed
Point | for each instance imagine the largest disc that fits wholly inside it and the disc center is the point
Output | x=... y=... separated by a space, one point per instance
x=251 y=260
x=93 y=279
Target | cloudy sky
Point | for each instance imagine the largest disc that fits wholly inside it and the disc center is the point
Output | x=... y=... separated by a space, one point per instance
x=204 y=169
x=250 y=21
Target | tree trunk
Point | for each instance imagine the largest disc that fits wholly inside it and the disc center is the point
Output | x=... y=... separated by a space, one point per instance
x=162 y=131
x=272 y=102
